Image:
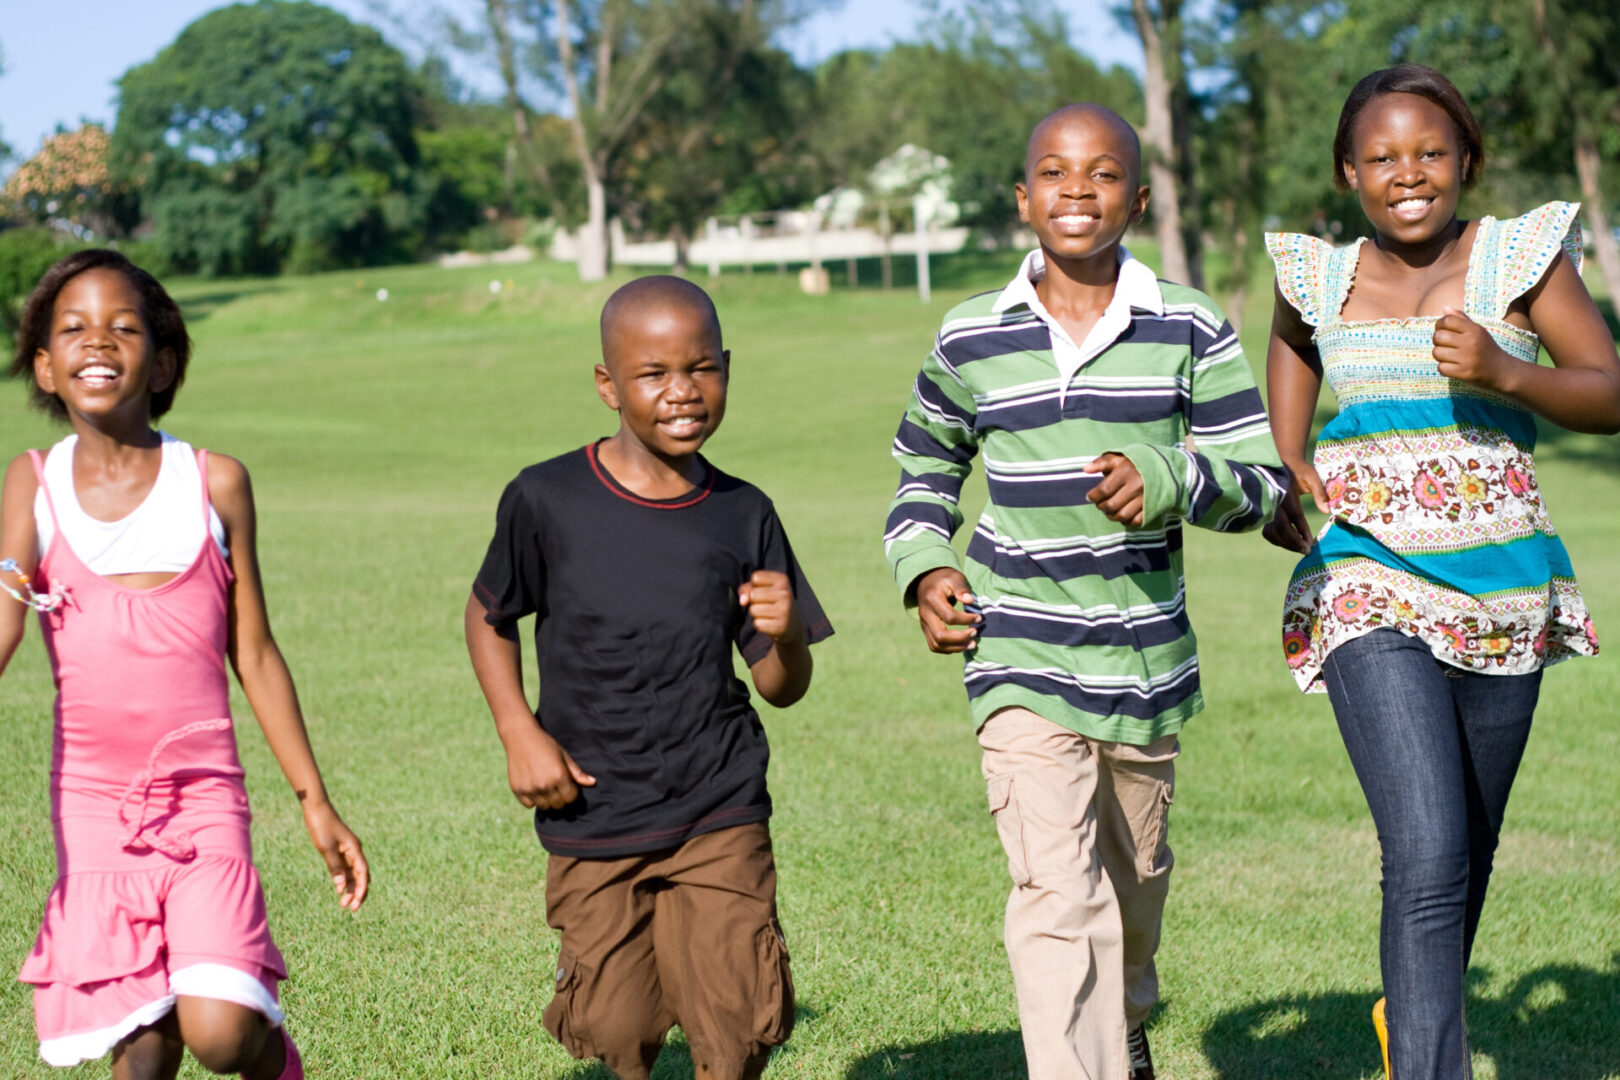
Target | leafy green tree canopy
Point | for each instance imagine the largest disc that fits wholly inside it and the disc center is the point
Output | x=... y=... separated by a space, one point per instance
x=274 y=135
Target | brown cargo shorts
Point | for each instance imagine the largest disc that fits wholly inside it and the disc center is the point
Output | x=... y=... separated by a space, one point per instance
x=687 y=935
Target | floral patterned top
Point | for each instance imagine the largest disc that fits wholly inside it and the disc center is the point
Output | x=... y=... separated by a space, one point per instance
x=1438 y=529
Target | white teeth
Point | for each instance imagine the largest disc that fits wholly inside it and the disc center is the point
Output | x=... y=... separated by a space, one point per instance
x=1411 y=204
x=98 y=373
x=1075 y=219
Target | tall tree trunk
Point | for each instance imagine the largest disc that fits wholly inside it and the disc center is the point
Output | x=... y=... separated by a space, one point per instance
x=500 y=26
x=593 y=235
x=683 y=248
x=1160 y=143
x=1588 y=162
x=1192 y=223
x=1589 y=167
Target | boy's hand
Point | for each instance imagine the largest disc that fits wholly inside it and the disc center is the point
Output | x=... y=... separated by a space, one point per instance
x=338 y=845
x=541 y=772
x=767 y=596
x=1119 y=494
x=938 y=593
x=1289 y=528
x=1465 y=350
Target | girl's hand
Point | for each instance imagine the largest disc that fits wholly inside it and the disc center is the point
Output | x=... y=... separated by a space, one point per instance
x=1290 y=528
x=767 y=596
x=341 y=849
x=1465 y=350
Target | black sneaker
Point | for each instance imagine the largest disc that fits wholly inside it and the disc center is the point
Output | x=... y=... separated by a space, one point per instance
x=1141 y=1058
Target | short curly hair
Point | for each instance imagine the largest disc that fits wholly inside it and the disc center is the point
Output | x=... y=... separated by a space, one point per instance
x=1425 y=82
x=158 y=310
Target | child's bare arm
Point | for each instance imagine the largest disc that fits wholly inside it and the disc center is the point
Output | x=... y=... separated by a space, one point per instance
x=541 y=773
x=268 y=684
x=782 y=675
x=1582 y=391
x=18 y=541
x=1293 y=383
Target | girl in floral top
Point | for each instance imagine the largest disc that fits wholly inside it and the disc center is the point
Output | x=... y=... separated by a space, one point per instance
x=1438 y=590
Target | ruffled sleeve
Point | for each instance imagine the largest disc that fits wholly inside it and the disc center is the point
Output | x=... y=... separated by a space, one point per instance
x=1302 y=264
x=1526 y=247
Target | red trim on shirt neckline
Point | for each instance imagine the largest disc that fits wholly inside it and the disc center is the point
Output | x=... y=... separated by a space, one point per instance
x=702 y=490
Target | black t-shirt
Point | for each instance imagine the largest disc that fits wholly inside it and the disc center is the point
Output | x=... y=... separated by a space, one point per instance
x=637 y=613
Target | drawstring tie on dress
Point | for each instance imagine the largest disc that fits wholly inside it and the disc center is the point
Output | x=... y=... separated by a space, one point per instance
x=179 y=846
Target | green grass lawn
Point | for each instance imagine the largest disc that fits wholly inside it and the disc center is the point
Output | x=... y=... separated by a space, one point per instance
x=381 y=434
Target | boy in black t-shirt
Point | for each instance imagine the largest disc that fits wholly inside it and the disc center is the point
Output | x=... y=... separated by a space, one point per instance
x=645 y=762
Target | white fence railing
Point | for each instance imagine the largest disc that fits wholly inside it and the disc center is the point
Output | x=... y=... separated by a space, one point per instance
x=784 y=237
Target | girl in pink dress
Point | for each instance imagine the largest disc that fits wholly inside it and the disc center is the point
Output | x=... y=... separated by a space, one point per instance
x=138 y=554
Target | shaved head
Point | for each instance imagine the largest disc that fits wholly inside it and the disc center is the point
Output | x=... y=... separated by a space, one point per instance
x=633 y=303
x=1128 y=147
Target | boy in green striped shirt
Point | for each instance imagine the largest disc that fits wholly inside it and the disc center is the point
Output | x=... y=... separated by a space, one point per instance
x=1108 y=407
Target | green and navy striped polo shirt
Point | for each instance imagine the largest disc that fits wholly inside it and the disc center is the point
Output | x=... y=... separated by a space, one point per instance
x=1084 y=619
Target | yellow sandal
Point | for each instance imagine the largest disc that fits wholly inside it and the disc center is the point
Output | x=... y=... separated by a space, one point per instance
x=1383 y=1033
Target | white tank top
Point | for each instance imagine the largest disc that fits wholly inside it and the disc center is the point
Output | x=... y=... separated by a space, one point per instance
x=161 y=535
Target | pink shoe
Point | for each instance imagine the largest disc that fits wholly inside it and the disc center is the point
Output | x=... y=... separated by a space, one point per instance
x=294 y=1069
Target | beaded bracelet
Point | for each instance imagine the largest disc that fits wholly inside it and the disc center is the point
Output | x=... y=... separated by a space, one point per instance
x=44 y=603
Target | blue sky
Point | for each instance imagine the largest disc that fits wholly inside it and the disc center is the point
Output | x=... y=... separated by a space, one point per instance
x=61 y=62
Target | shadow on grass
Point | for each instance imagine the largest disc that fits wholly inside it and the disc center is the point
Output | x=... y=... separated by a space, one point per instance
x=1557 y=1021
x=978 y=1055
x=675 y=1062
x=198 y=307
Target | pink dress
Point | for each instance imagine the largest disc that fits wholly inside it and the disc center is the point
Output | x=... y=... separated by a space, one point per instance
x=156 y=894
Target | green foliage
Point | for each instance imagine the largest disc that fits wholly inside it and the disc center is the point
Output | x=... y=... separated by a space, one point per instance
x=25 y=254
x=275 y=135
x=480 y=171
x=1278 y=71
x=724 y=131
x=972 y=92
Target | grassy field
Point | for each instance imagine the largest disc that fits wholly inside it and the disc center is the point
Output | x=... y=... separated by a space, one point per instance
x=379 y=436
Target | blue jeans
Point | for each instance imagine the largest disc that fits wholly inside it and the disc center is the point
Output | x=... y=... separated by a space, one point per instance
x=1436 y=749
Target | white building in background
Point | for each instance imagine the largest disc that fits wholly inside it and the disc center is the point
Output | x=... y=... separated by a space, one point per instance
x=910 y=173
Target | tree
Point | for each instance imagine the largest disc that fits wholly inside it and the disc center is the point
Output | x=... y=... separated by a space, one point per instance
x=609 y=59
x=69 y=180
x=275 y=135
x=725 y=130
x=971 y=91
x=5 y=149
x=1575 y=81
x=1167 y=139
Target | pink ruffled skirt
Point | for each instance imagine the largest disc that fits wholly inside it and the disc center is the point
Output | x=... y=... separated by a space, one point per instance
x=147 y=907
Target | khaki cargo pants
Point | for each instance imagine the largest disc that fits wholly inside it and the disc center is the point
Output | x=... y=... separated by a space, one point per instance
x=1083 y=823
x=685 y=936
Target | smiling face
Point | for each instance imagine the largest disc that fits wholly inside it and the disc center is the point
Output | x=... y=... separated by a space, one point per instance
x=1406 y=165
x=1082 y=182
x=100 y=358
x=664 y=372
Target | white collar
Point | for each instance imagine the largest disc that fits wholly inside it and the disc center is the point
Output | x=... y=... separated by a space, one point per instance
x=1137 y=287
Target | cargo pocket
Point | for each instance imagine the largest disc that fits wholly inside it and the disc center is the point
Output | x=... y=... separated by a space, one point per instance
x=1004 y=808
x=565 y=1016
x=773 y=1000
x=1152 y=854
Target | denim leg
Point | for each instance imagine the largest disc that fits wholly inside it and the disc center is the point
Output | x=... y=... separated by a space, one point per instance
x=1396 y=713
x=1494 y=712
